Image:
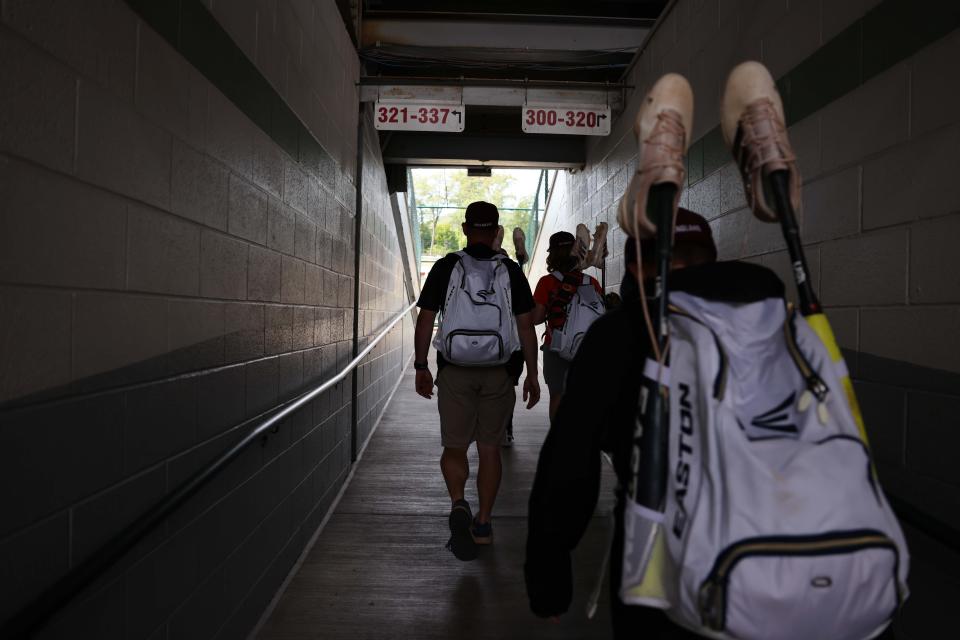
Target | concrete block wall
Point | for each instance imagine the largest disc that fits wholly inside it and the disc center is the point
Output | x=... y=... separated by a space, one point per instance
x=175 y=260
x=382 y=289
x=876 y=126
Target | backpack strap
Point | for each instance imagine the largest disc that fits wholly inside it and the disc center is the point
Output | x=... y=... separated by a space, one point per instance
x=557 y=309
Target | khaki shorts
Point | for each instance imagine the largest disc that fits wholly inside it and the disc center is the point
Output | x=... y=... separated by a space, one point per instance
x=475 y=404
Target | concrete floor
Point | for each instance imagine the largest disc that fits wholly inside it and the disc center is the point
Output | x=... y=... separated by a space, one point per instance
x=379 y=568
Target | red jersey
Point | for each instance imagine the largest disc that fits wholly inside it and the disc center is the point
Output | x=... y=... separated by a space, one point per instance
x=547 y=289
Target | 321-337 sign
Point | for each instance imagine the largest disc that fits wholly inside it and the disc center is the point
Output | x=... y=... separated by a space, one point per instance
x=412 y=116
x=579 y=121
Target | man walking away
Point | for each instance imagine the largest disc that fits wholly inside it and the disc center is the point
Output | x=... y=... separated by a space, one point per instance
x=485 y=305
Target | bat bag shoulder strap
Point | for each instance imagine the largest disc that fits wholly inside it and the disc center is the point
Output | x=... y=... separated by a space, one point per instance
x=560 y=301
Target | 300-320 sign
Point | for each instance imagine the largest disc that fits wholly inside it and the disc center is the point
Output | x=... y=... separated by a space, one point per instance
x=572 y=120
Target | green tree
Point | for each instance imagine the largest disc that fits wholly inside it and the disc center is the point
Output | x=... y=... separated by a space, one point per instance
x=442 y=196
x=448 y=238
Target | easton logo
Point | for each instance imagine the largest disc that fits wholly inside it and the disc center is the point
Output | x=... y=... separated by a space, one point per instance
x=682 y=474
x=777 y=419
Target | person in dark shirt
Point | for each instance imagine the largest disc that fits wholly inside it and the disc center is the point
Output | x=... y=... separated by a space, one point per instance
x=609 y=366
x=475 y=403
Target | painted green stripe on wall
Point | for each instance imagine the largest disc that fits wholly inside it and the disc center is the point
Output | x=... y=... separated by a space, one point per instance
x=193 y=31
x=888 y=34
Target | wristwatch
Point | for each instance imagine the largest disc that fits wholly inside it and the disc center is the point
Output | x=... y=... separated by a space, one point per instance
x=421 y=366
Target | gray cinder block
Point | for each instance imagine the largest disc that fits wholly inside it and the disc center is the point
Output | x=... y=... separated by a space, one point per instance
x=267 y=164
x=119 y=149
x=305 y=239
x=38 y=105
x=248 y=211
x=831 y=206
x=935 y=102
x=244 y=331
x=119 y=338
x=200 y=187
x=330 y=288
x=96 y=520
x=313 y=285
x=36 y=325
x=196 y=335
x=865 y=270
x=912 y=181
x=872 y=117
x=304 y=327
x=300 y=189
x=281 y=227
x=229 y=134
x=222 y=401
x=265 y=275
x=98 y=40
x=163 y=252
x=160 y=420
x=262 y=385
x=57 y=231
x=279 y=329
x=294 y=280
x=169 y=91
x=933 y=340
x=223 y=266
x=52 y=456
x=934 y=265
x=290 y=367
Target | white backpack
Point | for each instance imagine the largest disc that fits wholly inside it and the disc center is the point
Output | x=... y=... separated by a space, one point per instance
x=477 y=326
x=584 y=308
x=774 y=527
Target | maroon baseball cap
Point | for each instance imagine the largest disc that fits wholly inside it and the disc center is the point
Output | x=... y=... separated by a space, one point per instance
x=691 y=229
x=561 y=239
x=481 y=215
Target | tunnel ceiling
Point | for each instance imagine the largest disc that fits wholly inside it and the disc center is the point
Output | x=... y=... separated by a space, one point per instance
x=558 y=45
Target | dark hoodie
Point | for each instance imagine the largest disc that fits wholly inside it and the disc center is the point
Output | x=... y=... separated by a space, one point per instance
x=597 y=414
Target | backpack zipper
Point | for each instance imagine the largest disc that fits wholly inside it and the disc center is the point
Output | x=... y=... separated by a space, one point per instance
x=473 y=332
x=713 y=591
x=815 y=384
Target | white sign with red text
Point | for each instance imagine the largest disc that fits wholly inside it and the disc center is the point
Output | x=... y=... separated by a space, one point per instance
x=569 y=120
x=419 y=116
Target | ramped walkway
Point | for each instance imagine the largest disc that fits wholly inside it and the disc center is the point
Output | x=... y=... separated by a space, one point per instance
x=379 y=568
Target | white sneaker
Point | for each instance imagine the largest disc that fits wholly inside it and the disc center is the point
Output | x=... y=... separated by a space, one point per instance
x=598 y=250
x=752 y=121
x=662 y=128
x=520 y=244
x=581 y=246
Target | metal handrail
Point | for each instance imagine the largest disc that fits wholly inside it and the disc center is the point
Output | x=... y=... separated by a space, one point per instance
x=35 y=615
